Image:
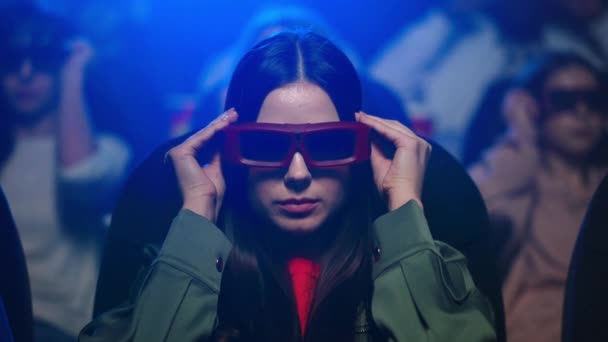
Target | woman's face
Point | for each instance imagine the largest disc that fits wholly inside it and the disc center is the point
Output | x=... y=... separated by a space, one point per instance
x=298 y=199
x=572 y=129
x=30 y=93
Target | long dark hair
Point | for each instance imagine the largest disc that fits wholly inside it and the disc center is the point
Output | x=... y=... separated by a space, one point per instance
x=256 y=300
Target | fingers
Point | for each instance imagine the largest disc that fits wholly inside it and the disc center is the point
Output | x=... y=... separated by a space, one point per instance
x=392 y=130
x=521 y=111
x=404 y=139
x=81 y=53
x=398 y=175
x=214 y=169
x=202 y=187
x=198 y=139
x=80 y=45
x=520 y=105
x=378 y=123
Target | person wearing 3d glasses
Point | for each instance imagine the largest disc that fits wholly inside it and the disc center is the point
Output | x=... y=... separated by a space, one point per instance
x=59 y=175
x=295 y=226
x=537 y=182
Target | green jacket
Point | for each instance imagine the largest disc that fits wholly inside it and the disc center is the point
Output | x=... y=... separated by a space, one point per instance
x=423 y=290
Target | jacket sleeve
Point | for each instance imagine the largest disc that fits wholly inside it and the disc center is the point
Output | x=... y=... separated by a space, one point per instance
x=178 y=299
x=423 y=290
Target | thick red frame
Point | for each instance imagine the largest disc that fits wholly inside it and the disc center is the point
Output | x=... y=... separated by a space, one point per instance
x=297 y=133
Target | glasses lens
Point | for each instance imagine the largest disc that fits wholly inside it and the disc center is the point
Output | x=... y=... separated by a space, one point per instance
x=330 y=145
x=562 y=100
x=567 y=100
x=596 y=101
x=264 y=146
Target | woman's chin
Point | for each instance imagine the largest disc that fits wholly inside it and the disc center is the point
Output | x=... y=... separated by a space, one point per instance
x=299 y=225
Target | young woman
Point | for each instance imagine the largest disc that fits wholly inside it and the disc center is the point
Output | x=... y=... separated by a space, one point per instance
x=537 y=182
x=279 y=237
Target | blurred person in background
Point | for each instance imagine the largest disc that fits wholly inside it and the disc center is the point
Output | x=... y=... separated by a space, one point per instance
x=123 y=89
x=445 y=64
x=579 y=27
x=537 y=181
x=213 y=85
x=60 y=175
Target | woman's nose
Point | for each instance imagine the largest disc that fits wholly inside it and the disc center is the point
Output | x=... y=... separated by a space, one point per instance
x=298 y=176
x=582 y=106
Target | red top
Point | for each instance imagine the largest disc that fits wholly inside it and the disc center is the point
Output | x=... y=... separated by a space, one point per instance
x=304 y=275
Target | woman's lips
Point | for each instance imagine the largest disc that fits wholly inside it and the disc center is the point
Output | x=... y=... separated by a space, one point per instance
x=298 y=206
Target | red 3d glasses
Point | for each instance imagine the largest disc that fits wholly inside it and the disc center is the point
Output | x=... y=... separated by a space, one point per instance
x=271 y=145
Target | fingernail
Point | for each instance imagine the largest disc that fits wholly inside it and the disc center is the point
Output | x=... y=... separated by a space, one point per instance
x=230 y=113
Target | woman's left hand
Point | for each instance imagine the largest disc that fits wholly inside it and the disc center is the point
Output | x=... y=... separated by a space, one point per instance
x=400 y=179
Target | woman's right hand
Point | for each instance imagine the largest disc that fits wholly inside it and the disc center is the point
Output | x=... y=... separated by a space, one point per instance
x=521 y=113
x=202 y=187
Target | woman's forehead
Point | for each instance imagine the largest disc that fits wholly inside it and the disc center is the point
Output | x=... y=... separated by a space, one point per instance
x=298 y=102
x=571 y=77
